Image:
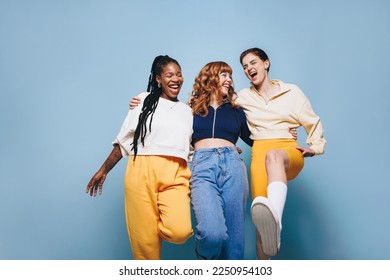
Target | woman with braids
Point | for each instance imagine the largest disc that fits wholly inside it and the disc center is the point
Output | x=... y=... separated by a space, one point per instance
x=156 y=136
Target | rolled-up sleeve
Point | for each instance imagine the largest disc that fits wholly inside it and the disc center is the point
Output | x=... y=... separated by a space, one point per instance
x=126 y=134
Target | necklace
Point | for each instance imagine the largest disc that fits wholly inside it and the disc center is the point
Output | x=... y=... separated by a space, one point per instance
x=174 y=104
x=169 y=102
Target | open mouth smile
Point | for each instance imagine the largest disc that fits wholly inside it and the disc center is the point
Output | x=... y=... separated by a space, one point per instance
x=253 y=74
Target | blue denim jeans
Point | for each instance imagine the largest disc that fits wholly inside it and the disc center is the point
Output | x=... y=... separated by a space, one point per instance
x=219 y=193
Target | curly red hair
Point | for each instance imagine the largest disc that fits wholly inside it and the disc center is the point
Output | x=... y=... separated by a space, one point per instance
x=207 y=83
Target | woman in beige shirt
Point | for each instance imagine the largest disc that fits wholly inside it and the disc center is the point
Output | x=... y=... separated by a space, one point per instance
x=272 y=108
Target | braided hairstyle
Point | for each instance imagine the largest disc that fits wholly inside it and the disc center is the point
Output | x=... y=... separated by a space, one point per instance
x=151 y=101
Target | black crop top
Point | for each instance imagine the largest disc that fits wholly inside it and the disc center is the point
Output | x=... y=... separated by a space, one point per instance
x=226 y=122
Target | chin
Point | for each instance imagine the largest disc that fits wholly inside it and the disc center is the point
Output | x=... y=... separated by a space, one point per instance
x=256 y=82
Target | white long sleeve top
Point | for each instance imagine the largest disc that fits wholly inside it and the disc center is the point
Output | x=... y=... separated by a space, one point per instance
x=170 y=133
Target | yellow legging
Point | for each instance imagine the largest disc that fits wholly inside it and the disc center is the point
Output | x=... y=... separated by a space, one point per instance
x=157 y=204
x=259 y=178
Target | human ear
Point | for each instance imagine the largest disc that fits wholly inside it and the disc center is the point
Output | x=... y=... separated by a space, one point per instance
x=266 y=64
x=158 y=80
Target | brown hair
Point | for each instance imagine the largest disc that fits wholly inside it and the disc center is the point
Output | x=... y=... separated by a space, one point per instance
x=259 y=53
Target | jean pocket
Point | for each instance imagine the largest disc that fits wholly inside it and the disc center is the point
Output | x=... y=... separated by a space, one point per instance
x=236 y=156
x=201 y=158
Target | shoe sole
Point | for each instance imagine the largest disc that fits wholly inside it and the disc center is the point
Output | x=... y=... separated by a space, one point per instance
x=267 y=227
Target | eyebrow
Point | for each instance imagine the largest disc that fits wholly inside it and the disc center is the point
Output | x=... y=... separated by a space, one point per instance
x=249 y=62
x=171 y=72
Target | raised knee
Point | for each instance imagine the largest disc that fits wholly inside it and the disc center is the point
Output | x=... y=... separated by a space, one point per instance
x=180 y=237
x=273 y=157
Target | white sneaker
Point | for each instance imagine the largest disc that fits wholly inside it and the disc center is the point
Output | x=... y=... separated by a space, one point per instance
x=267 y=225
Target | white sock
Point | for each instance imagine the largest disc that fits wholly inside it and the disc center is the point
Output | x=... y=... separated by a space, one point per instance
x=277 y=193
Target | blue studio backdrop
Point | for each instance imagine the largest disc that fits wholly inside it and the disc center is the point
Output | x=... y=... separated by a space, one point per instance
x=69 y=68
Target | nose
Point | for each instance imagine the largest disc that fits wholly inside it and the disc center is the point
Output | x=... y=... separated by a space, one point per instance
x=175 y=78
